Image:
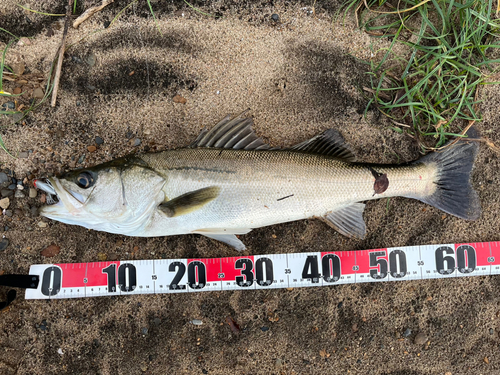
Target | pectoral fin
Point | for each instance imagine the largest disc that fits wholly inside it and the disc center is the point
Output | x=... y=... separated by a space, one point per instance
x=348 y=220
x=189 y=202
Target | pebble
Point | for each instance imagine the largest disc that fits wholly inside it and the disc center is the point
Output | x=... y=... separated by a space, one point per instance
x=42 y=224
x=50 y=251
x=157 y=321
x=4 y=242
x=8 y=213
x=275 y=17
x=112 y=256
x=34 y=211
x=135 y=142
x=4 y=203
x=91 y=148
x=196 y=322
x=264 y=329
x=24 y=42
x=38 y=93
x=23 y=155
x=99 y=140
x=18 y=68
x=20 y=187
x=12 y=187
x=102 y=257
x=144 y=331
x=9 y=105
x=17 y=91
x=420 y=339
x=81 y=159
x=3 y=178
x=179 y=99
x=32 y=193
x=19 y=194
x=6 y=193
x=43 y=325
x=407 y=332
x=491 y=331
x=91 y=59
x=76 y=59
x=60 y=351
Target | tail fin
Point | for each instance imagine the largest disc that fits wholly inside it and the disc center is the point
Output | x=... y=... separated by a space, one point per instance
x=454 y=193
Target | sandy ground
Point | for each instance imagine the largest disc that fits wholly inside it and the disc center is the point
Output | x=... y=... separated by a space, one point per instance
x=300 y=75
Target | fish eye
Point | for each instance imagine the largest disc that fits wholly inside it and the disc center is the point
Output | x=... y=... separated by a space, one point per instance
x=85 y=180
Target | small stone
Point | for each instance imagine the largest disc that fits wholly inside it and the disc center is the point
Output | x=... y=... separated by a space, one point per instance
x=6 y=193
x=50 y=251
x=8 y=213
x=486 y=360
x=19 y=194
x=144 y=331
x=91 y=59
x=491 y=331
x=179 y=99
x=38 y=93
x=91 y=148
x=106 y=24
x=354 y=327
x=275 y=17
x=196 y=322
x=264 y=329
x=24 y=42
x=407 y=333
x=32 y=193
x=42 y=224
x=112 y=256
x=81 y=159
x=9 y=105
x=23 y=155
x=3 y=178
x=18 y=68
x=5 y=202
x=99 y=140
x=4 y=242
x=76 y=59
x=135 y=142
x=102 y=257
x=157 y=321
x=60 y=351
x=420 y=339
x=34 y=211
x=12 y=187
x=17 y=91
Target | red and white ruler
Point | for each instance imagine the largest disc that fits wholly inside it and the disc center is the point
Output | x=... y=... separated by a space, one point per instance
x=77 y=280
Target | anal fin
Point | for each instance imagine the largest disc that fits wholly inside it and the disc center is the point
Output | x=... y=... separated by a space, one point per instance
x=348 y=220
x=189 y=202
x=228 y=239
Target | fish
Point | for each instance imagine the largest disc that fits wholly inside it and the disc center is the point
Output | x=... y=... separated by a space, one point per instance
x=229 y=181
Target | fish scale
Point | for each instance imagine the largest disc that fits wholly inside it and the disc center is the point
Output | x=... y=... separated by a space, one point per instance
x=253 y=182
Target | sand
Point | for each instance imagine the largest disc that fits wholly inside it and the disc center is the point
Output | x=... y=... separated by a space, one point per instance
x=299 y=76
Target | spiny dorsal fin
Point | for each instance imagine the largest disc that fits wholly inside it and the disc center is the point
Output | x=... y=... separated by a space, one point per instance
x=236 y=134
x=330 y=143
x=189 y=202
x=348 y=220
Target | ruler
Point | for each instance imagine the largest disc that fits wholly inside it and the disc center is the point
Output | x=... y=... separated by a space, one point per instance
x=296 y=270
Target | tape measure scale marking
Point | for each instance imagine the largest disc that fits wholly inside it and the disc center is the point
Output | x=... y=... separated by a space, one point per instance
x=77 y=280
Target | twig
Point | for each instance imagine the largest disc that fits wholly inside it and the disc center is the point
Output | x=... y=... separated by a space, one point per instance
x=61 y=55
x=90 y=12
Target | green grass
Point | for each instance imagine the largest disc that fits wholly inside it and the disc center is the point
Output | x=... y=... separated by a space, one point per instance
x=430 y=90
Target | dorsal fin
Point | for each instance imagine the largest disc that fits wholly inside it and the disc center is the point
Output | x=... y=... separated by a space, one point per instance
x=236 y=134
x=330 y=143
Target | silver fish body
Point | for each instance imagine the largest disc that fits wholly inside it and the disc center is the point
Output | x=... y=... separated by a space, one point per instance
x=229 y=182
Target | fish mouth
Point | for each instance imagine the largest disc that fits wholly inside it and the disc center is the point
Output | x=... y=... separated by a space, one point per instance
x=60 y=201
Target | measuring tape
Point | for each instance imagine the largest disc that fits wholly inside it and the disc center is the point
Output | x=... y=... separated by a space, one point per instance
x=79 y=280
